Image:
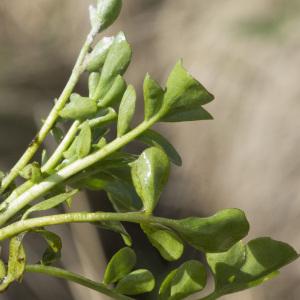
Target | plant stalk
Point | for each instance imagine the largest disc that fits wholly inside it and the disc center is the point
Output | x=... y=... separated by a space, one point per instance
x=60 y=273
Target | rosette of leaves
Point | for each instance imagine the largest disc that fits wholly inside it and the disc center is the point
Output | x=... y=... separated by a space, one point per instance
x=87 y=157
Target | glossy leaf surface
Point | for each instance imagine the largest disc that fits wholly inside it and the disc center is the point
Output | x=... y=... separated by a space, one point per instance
x=150 y=174
x=137 y=282
x=168 y=243
x=245 y=266
x=216 y=233
x=120 y=265
x=188 y=279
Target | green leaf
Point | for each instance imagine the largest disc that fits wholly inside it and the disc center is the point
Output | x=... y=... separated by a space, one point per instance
x=153 y=95
x=79 y=108
x=49 y=203
x=16 y=262
x=245 y=266
x=126 y=111
x=115 y=93
x=32 y=172
x=53 y=251
x=153 y=138
x=2 y=270
x=104 y=117
x=96 y=58
x=137 y=282
x=116 y=63
x=120 y=265
x=93 y=83
x=184 y=97
x=57 y=133
x=150 y=174
x=44 y=157
x=164 y=240
x=84 y=141
x=216 y=233
x=117 y=227
x=188 y=279
x=108 y=11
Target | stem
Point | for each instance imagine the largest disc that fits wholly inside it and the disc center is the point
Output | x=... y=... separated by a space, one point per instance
x=41 y=188
x=58 y=153
x=52 y=117
x=60 y=273
x=80 y=217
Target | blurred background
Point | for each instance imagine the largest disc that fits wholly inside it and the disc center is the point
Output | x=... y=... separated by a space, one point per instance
x=245 y=52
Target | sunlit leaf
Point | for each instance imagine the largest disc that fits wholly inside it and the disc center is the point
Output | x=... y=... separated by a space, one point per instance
x=116 y=63
x=120 y=265
x=126 y=111
x=79 y=108
x=245 y=266
x=149 y=174
x=188 y=279
x=184 y=97
x=32 y=172
x=49 y=203
x=97 y=57
x=213 y=234
x=153 y=138
x=137 y=282
x=93 y=83
x=168 y=243
x=153 y=95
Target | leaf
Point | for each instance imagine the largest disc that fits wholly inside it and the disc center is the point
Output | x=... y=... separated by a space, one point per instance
x=126 y=111
x=150 y=174
x=165 y=241
x=153 y=138
x=117 y=227
x=49 y=203
x=153 y=95
x=188 y=279
x=79 y=108
x=120 y=265
x=2 y=270
x=32 y=172
x=216 y=233
x=104 y=117
x=116 y=63
x=53 y=251
x=96 y=58
x=137 y=282
x=108 y=11
x=84 y=141
x=16 y=262
x=93 y=82
x=44 y=157
x=57 y=133
x=245 y=266
x=115 y=93
x=184 y=97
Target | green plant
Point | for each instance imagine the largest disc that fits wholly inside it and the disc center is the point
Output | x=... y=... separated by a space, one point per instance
x=85 y=158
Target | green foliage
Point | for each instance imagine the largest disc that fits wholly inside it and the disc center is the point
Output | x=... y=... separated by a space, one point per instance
x=188 y=279
x=87 y=157
x=150 y=173
x=137 y=282
x=120 y=265
x=167 y=242
x=245 y=266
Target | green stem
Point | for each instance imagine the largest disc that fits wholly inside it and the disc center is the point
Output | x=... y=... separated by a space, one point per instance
x=52 y=117
x=80 y=217
x=60 y=273
x=8 y=210
x=58 y=153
